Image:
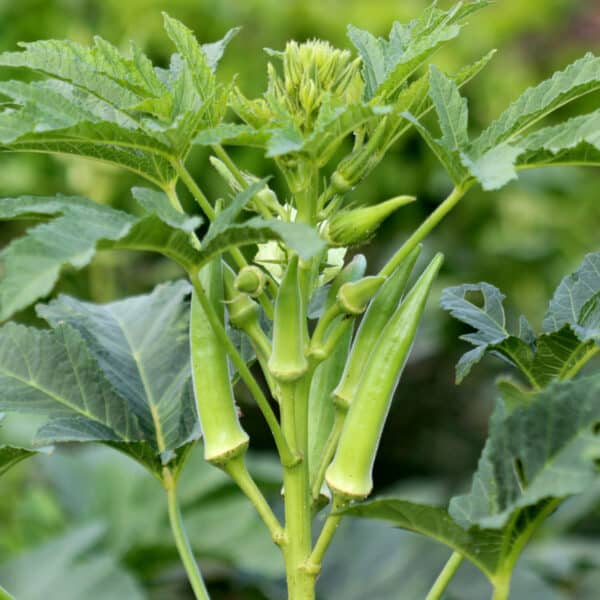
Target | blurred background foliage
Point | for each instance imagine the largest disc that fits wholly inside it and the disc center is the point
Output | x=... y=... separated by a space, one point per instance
x=95 y=525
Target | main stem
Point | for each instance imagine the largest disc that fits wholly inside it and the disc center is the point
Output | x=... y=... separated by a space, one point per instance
x=298 y=532
x=181 y=539
x=300 y=572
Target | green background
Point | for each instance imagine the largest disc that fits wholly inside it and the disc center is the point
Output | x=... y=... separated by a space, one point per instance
x=522 y=239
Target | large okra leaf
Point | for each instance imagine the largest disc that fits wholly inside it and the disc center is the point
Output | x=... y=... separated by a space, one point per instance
x=571 y=328
x=117 y=373
x=100 y=104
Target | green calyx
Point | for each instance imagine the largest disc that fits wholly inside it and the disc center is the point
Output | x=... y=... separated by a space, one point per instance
x=374 y=321
x=250 y=280
x=351 y=227
x=288 y=361
x=350 y=473
x=222 y=433
x=354 y=297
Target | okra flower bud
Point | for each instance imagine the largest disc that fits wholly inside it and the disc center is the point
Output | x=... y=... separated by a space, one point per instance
x=378 y=313
x=352 y=227
x=355 y=296
x=350 y=473
x=241 y=308
x=223 y=435
x=288 y=361
x=250 y=280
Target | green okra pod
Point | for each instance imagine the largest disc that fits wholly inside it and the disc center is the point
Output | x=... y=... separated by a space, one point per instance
x=373 y=322
x=350 y=473
x=223 y=435
x=288 y=361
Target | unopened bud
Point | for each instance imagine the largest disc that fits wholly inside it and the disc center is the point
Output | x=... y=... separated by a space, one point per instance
x=354 y=297
x=250 y=280
x=352 y=227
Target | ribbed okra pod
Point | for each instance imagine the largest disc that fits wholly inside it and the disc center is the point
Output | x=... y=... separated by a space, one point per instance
x=223 y=435
x=288 y=361
x=350 y=473
x=374 y=321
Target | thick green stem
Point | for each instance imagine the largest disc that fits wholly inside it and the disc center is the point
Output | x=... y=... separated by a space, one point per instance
x=181 y=539
x=4 y=595
x=298 y=515
x=237 y=470
x=501 y=589
x=424 y=229
x=444 y=578
x=287 y=457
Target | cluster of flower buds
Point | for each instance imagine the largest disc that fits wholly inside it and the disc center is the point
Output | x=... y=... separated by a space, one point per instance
x=314 y=72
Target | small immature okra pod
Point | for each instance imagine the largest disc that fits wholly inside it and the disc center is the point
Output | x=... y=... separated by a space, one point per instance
x=250 y=280
x=350 y=473
x=222 y=433
x=288 y=361
x=373 y=322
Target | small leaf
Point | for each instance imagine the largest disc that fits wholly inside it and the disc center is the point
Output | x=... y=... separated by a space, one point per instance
x=495 y=168
x=232 y=134
x=155 y=202
x=227 y=216
x=299 y=237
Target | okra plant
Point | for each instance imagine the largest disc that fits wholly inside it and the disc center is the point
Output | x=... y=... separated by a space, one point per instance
x=273 y=286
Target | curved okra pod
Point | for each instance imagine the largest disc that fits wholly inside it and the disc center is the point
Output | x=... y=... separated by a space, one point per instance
x=374 y=321
x=350 y=473
x=223 y=435
x=288 y=361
